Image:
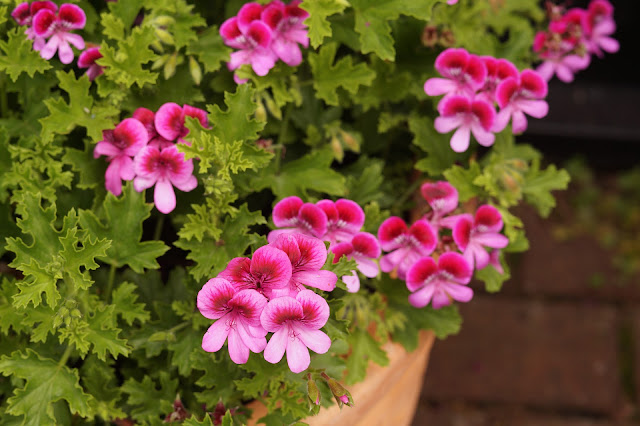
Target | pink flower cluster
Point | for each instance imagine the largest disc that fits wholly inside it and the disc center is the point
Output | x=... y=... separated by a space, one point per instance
x=50 y=27
x=264 y=34
x=143 y=149
x=572 y=37
x=410 y=248
x=472 y=85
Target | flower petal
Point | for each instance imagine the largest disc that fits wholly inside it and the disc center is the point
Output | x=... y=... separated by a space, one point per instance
x=238 y=273
x=213 y=298
x=72 y=16
x=422 y=297
x=216 y=335
x=352 y=281
x=279 y=312
x=323 y=280
x=298 y=357
x=248 y=304
x=315 y=309
x=164 y=197
x=315 y=340
x=313 y=219
x=255 y=343
x=271 y=267
x=460 y=139
x=460 y=293
x=238 y=351
x=274 y=351
x=421 y=271
x=285 y=212
x=389 y=231
x=169 y=121
x=455 y=265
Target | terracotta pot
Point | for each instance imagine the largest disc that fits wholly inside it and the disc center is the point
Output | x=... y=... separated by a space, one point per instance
x=388 y=396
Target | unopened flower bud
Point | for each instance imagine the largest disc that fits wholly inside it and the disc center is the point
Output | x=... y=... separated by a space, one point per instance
x=164 y=20
x=261 y=112
x=312 y=390
x=429 y=36
x=336 y=147
x=159 y=63
x=170 y=66
x=164 y=36
x=194 y=69
x=351 y=142
x=342 y=395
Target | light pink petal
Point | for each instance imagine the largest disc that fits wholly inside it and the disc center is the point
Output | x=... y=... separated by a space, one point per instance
x=441 y=196
x=50 y=49
x=494 y=260
x=140 y=183
x=491 y=240
x=186 y=185
x=271 y=267
x=216 y=335
x=105 y=148
x=169 y=121
x=274 y=351
x=422 y=297
x=212 y=299
x=323 y=280
x=352 y=281
x=546 y=70
x=367 y=266
x=298 y=357
x=279 y=311
x=276 y=233
x=411 y=257
x=262 y=60
x=298 y=35
x=288 y=51
x=502 y=119
x=484 y=137
x=421 y=271
x=576 y=62
x=315 y=309
x=609 y=44
x=450 y=221
x=460 y=293
x=481 y=257
x=455 y=265
x=126 y=168
x=440 y=299
x=439 y=86
x=248 y=304
x=238 y=351
x=76 y=40
x=112 y=180
x=391 y=260
x=460 y=139
x=255 y=343
x=389 y=232
x=447 y=124
x=164 y=197
x=315 y=340
x=65 y=53
x=518 y=122
x=564 y=73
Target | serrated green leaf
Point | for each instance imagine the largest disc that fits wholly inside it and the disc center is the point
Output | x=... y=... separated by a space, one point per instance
x=237 y=122
x=103 y=335
x=440 y=156
x=219 y=375
x=493 y=279
x=19 y=56
x=46 y=383
x=100 y=380
x=319 y=11
x=126 y=11
x=187 y=342
x=12 y=318
x=90 y=172
x=126 y=306
x=539 y=184
x=210 y=49
x=125 y=64
x=149 y=400
x=363 y=349
x=122 y=224
x=462 y=179
x=262 y=376
x=328 y=77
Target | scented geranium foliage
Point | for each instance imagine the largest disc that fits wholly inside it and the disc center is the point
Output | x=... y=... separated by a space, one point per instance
x=218 y=199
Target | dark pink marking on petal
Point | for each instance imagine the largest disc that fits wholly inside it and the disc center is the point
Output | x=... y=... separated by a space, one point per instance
x=313 y=219
x=341 y=249
x=462 y=231
x=505 y=69
x=351 y=213
x=285 y=212
x=44 y=23
x=260 y=33
x=147 y=118
x=539 y=41
x=72 y=16
x=424 y=233
x=491 y=64
x=455 y=104
x=213 y=298
x=293 y=10
x=21 y=14
x=248 y=304
x=279 y=311
x=288 y=244
x=451 y=62
x=475 y=72
x=238 y=273
x=130 y=136
x=389 y=231
x=485 y=113
x=532 y=84
x=229 y=29
x=441 y=196
x=329 y=208
x=421 y=271
x=488 y=218
x=313 y=253
x=272 y=15
x=89 y=57
x=39 y=5
x=456 y=266
x=198 y=113
x=247 y=14
x=315 y=310
x=366 y=244
x=170 y=121
x=270 y=268
x=506 y=91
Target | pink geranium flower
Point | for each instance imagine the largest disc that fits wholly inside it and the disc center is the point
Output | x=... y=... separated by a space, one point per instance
x=472 y=234
x=296 y=324
x=170 y=120
x=598 y=25
x=55 y=28
x=268 y=271
x=23 y=14
x=344 y=219
x=442 y=198
x=288 y=29
x=119 y=146
x=464 y=74
x=406 y=245
x=440 y=283
x=147 y=118
x=87 y=59
x=467 y=116
x=307 y=256
x=165 y=169
x=254 y=43
x=517 y=96
x=238 y=318
x=363 y=248
x=296 y=216
x=497 y=71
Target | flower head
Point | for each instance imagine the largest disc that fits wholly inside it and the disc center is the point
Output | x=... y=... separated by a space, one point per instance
x=363 y=248
x=497 y=71
x=296 y=216
x=467 y=116
x=406 y=245
x=441 y=282
x=254 y=41
x=165 y=169
x=442 y=198
x=296 y=324
x=87 y=59
x=238 y=318
x=473 y=233
x=56 y=28
x=464 y=74
x=288 y=29
x=119 y=146
x=147 y=118
x=170 y=120
x=517 y=96
x=598 y=25
x=344 y=219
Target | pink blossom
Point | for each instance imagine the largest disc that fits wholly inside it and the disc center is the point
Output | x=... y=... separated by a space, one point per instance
x=119 y=146
x=23 y=14
x=517 y=96
x=170 y=120
x=363 y=248
x=87 y=59
x=439 y=283
x=296 y=324
x=472 y=234
x=467 y=116
x=464 y=74
x=307 y=255
x=268 y=271
x=147 y=118
x=598 y=25
x=288 y=29
x=344 y=219
x=296 y=216
x=254 y=43
x=55 y=28
x=497 y=71
x=442 y=198
x=564 y=66
x=406 y=245
x=238 y=318
x=165 y=169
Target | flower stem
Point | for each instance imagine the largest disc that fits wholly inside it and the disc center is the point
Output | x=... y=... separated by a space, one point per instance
x=158 y=231
x=110 y=280
x=65 y=356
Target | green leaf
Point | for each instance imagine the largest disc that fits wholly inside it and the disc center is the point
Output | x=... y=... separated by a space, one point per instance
x=103 y=335
x=149 y=400
x=100 y=380
x=18 y=56
x=126 y=305
x=363 y=349
x=390 y=85
x=91 y=174
x=126 y=11
x=462 y=179
x=237 y=122
x=46 y=383
x=80 y=111
x=540 y=183
x=187 y=342
x=219 y=375
x=210 y=49
x=493 y=279
x=319 y=11
x=263 y=376
x=440 y=155
x=12 y=318
x=328 y=77
x=123 y=218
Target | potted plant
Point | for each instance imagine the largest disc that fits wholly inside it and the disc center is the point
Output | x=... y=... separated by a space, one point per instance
x=227 y=201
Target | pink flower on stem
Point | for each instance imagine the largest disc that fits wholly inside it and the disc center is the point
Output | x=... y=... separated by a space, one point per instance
x=119 y=146
x=296 y=324
x=598 y=25
x=467 y=116
x=472 y=234
x=147 y=118
x=286 y=23
x=170 y=120
x=344 y=219
x=517 y=96
x=254 y=43
x=440 y=283
x=464 y=74
x=165 y=169
x=497 y=71
x=307 y=256
x=23 y=14
x=406 y=245
x=238 y=318
x=48 y=25
x=442 y=198
x=87 y=59
x=298 y=217
x=363 y=248
x=268 y=271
